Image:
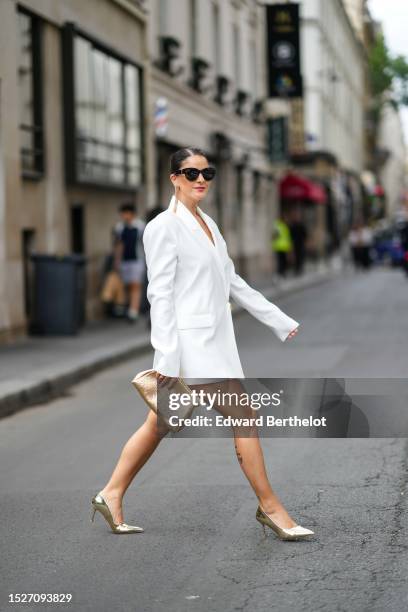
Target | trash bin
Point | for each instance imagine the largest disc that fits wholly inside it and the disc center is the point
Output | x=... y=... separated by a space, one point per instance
x=59 y=294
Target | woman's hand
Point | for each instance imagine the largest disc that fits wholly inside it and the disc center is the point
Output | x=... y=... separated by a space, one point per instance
x=293 y=333
x=162 y=380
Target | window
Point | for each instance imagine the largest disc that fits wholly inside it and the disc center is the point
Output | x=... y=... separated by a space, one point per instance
x=236 y=59
x=163 y=17
x=256 y=185
x=216 y=37
x=30 y=95
x=277 y=135
x=193 y=28
x=103 y=114
x=253 y=68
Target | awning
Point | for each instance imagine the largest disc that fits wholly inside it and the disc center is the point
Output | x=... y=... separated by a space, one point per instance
x=295 y=187
x=379 y=191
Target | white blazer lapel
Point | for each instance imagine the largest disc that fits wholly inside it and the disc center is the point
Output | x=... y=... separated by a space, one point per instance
x=216 y=251
x=187 y=217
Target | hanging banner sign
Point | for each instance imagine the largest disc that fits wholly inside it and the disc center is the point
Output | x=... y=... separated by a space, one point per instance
x=283 y=48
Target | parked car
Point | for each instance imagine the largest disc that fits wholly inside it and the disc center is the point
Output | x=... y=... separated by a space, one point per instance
x=388 y=245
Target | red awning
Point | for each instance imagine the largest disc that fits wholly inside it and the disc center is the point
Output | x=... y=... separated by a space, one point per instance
x=295 y=187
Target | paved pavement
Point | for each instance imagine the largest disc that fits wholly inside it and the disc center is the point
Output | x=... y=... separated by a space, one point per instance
x=354 y=325
x=202 y=549
x=37 y=369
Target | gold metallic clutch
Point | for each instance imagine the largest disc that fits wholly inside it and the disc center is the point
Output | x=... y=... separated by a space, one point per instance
x=164 y=400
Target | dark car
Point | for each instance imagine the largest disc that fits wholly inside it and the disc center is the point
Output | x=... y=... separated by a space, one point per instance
x=388 y=246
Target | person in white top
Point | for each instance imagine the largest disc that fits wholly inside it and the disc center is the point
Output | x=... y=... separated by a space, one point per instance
x=360 y=241
x=191 y=278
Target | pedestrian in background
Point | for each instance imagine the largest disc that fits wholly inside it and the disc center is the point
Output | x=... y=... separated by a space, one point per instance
x=360 y=240
x=298 y=234
x=129 y=256
x=282 y=244
x=354 y=240
x=367 y=239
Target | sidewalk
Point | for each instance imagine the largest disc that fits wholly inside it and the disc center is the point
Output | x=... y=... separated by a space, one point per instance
x=36 y=369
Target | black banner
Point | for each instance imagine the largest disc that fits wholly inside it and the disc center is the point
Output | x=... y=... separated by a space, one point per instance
x=283 y=48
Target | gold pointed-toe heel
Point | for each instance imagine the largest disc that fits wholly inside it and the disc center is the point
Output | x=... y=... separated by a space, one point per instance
x=98 y=503
x=292 y=533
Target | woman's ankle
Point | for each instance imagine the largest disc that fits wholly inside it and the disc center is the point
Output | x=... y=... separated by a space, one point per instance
x=111 y=493
x=270 y=506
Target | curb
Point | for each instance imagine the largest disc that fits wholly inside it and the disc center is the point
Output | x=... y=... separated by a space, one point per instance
x=48 y=388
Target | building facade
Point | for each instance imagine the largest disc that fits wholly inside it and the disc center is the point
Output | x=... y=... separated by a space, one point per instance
x=333 y=68
x=393 y=173
x=326 y=132
x=207 y=90
x=94 y=97
x=356 y=11
x=72 y=137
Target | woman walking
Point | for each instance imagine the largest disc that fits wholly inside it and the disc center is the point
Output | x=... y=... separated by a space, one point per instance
x=191 y=278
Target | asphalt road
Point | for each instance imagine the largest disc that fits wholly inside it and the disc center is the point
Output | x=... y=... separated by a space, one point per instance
x=202 y=548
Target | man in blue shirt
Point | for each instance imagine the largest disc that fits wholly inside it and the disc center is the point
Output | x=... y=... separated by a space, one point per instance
x=129 y=258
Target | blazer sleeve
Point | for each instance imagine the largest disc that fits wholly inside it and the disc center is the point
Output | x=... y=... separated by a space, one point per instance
x=257 y=305
x=160 y=244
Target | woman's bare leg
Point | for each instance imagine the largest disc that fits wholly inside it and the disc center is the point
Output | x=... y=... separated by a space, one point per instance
x=249 y=453
x=134 y=455
x=250 y=457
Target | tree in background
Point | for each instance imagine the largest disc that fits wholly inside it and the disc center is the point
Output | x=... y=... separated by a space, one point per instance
x=388 y=76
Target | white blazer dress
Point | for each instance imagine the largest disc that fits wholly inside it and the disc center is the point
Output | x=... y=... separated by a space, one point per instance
x=190 y=282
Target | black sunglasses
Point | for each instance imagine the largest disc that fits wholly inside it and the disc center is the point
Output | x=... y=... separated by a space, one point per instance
x=192 y=174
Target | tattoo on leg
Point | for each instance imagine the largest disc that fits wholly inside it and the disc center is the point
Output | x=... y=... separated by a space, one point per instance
x=238 y=454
